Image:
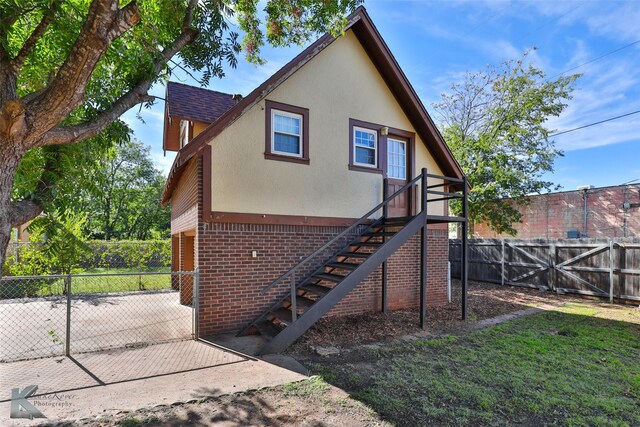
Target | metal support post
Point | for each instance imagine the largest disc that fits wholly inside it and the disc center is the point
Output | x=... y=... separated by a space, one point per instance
x=294 y=297
x=67 y=337
x=385 y=215
x=196 y=304
x=423 y=252
x=465 y=229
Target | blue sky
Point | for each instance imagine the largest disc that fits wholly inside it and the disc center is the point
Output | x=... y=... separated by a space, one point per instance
x=436 y=42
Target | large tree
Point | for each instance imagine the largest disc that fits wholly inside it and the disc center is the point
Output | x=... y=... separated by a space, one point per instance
x=70 y=68
x=495 y=122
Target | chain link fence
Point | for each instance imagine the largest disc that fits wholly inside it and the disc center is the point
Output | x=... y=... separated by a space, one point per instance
x=99 y=256
x=43 y=316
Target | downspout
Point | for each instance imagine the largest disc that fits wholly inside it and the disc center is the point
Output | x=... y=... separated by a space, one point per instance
x=584 y=189
x=584 y=196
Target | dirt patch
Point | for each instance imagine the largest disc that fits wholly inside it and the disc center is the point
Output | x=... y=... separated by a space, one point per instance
x=310 y=402
x=484 y=301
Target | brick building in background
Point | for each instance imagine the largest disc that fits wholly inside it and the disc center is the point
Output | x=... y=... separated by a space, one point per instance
x=589 y=212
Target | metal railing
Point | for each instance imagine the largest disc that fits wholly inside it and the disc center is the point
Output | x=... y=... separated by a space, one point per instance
x=365 y=220
x=55 y=315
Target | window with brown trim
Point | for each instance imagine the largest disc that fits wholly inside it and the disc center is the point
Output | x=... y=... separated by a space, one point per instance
x=287 y=133
x=365 y=144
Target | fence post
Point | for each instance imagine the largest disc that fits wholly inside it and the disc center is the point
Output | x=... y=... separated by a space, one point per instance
x=67 y=336
x=196 y=303
x=553 y=259
x=503 y=276
x=611 y=271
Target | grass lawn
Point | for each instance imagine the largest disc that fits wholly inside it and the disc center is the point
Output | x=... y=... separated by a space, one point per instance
x=576 y=366
x=106 y=282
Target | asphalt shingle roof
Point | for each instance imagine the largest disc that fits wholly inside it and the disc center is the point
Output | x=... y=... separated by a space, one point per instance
x=194 y=103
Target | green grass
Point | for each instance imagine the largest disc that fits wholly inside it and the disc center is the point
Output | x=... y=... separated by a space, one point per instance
x=106 y=282
x=314 y=386
x=573 y=367
x=131 y=283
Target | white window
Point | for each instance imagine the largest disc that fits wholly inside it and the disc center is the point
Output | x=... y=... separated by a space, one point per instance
x=184 y=132
x=365 y=147
x=396 y=159
x=286 y=133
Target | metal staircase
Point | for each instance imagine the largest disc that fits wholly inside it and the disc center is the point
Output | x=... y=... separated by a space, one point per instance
x=369 y=242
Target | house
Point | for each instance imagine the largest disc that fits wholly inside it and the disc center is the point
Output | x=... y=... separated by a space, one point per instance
x=585 y=212
x=260 y=183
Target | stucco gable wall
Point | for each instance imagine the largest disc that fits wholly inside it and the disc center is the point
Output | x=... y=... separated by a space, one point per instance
x=338 y=84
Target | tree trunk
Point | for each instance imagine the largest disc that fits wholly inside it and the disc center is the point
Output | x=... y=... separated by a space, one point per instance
x=8 y=165
x=10 y=157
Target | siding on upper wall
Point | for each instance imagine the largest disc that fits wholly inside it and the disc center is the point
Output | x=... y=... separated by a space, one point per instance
x=184 y=203
x=338 y=84
x=198 y=127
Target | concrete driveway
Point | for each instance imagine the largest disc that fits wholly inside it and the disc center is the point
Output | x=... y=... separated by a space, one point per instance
x=108 y=382
x=32 y=328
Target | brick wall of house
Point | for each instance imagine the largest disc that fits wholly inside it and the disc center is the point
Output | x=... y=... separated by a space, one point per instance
x=231 y=279
x=552 y=216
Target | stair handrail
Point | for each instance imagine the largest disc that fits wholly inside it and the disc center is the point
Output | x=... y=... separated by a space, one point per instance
x=360 y=221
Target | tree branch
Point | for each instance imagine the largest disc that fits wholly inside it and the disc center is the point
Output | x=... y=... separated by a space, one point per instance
x=105 y=23
x=31 y=41
x=24 y=211
x=27 y=209
x=137 y=94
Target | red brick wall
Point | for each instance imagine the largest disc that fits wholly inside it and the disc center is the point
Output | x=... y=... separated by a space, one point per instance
x=551 y=216
x=231 y=279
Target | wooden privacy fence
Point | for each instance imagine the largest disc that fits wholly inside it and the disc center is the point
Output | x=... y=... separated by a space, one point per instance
x=600 y=267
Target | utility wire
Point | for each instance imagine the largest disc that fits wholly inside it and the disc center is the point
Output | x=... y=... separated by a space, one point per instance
x=595 y=123
x=597 y=58
x=630 y=182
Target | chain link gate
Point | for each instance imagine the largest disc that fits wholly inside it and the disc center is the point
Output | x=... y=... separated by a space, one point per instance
x=57 y=315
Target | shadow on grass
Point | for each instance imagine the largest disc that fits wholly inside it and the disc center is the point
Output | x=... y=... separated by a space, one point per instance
x=570 y=366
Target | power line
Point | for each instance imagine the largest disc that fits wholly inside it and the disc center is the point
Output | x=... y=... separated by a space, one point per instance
x=630 y=182
x=598 y=58
x=595 y=123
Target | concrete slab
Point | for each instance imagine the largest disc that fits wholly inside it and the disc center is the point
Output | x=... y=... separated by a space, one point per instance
x=248 y=344
x=33 y=328
x=93 y=384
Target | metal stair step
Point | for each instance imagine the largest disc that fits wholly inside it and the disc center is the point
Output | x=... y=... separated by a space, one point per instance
x=379 y=233
x=354 y=254
x=315 y=289
x=282 y=314
x=342 y=265
x=399 y=220
x=302 y=302
x=330 y=277
x=267 y=329
x=373 y=244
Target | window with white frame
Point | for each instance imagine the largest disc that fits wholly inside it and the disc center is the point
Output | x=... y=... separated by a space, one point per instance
x=365 y=147
x=396 y=158
x=184 y=132
x=286 y=133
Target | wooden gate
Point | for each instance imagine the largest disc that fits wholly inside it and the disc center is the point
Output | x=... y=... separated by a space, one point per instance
x=606 y=268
